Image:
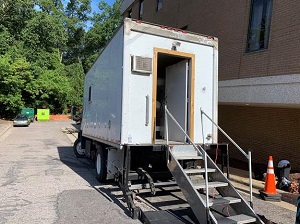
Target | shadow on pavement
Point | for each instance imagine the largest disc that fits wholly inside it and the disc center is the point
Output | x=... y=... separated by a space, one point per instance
x=77 y=126
x=85 y=168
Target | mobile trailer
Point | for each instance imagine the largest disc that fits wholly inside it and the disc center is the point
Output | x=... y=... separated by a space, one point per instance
x=142 y=120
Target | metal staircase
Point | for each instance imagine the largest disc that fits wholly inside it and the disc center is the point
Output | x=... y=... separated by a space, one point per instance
x=187 y=165
x=210 y=194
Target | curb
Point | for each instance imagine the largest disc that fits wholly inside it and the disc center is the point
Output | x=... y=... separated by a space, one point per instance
x=256 y=187
x=8 y=126
x=241 y=180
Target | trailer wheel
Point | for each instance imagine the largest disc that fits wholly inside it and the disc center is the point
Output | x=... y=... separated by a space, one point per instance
x=79 y=152
x=100 y=164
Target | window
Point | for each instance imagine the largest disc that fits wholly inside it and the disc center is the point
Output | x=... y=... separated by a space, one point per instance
x=141 y=9
x=129 y=13
x=159 y=5
x=90 y=94
x=259 y=26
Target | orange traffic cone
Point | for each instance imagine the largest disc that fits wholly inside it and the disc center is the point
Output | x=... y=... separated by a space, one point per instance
x=270 y=192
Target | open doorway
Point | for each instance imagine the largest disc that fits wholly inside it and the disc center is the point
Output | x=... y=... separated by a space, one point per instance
x=173 y=86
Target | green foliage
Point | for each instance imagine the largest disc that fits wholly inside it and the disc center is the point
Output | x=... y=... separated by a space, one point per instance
x=52 y=90
x=15 y=76
x=105 y=24
x=45 y=49
x=75 y=74
x=5 y=40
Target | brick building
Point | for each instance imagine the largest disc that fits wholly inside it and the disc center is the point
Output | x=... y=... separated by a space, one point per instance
x=259 y=67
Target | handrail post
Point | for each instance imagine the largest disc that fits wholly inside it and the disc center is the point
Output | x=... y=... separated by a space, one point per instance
x=206 y=185
x=202 y=125
x=166 y=125
x=250 y=178
x=166 y=131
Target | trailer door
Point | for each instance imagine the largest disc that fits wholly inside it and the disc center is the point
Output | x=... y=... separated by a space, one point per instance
x=177 y=99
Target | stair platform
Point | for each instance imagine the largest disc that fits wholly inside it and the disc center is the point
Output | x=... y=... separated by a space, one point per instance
x=195 y=171
x=223 y=201
x=201 y=185
x=237 y=219
x=188 y=157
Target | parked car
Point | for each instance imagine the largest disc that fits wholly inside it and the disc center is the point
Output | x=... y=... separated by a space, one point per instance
x=21 y=120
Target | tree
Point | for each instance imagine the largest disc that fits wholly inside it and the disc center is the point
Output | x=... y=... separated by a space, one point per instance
x=105 y=24
x=75 y=74
x=77 y=12
x=15 y=76
x=45 y=49
x=52 y=91
x=14 y=15
x=43 y=32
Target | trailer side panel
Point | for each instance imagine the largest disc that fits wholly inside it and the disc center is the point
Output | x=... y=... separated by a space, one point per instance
x=103 y=94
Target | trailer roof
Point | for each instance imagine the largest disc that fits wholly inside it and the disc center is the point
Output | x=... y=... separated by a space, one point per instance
x=169 y=32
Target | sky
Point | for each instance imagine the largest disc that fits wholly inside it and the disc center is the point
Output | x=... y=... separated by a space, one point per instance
x=94 y=3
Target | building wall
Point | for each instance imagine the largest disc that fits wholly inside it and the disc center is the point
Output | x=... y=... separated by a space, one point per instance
x=265 y=131
x=229 y=22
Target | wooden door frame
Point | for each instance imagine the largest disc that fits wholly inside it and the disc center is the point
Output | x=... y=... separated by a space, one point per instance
x=184 y=55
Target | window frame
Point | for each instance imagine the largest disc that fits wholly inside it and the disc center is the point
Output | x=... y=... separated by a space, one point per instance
x=267 y=18
x=141 y=9
x=90 y=94
x=129 y=13
x=159 y=5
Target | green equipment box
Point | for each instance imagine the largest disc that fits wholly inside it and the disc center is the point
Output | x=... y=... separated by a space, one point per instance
x=29 y=112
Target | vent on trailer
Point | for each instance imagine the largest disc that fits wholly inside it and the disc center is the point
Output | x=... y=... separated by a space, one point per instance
x=141 y=64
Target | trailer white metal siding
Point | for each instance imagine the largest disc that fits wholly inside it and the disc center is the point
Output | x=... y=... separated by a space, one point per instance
x=102 y=112
x=120 y=110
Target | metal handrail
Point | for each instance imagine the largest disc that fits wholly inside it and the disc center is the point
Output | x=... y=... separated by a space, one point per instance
x=167 y=112
x=248 y=156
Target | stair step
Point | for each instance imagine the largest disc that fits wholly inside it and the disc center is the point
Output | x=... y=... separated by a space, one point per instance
x=201 y=185
x=237 y=219
x=188 y=157
x=201 y=170
x=223 y=201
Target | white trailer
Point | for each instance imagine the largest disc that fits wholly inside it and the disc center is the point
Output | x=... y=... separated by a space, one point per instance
x=142 y=104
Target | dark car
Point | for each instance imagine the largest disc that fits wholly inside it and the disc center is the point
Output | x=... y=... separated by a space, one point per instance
x=21 y=120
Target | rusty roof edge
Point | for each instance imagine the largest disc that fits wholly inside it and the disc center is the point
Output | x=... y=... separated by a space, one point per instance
x=164 y=31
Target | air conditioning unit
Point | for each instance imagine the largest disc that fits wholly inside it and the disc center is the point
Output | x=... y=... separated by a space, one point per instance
x=141 y=64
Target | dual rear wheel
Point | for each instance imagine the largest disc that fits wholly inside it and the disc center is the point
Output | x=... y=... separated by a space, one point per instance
x=78 y=151
x=101 y=163
x=100 y=159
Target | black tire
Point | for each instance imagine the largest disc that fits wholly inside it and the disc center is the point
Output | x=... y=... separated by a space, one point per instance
x=78 y=151
x=101 y=164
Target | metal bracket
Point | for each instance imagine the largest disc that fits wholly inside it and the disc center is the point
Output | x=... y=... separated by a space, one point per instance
x=144 y=173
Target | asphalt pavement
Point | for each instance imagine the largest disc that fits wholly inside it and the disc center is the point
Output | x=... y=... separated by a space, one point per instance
x=4 y=126
x=42 y=181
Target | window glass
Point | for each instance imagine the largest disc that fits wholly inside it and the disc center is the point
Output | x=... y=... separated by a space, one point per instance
x=259 y=26
x=90 y=93
x=129 y=13
x=141 y=9
x=159 y=5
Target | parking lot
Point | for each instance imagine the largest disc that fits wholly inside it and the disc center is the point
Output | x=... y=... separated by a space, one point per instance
x=42 y=182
